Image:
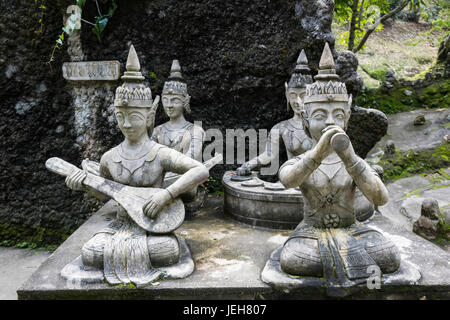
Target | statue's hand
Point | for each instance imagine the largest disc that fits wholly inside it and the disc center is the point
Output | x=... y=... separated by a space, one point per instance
x=156 y=203
x=343 y=147
x=155 y=103
x=244 y=170
x=91 y=166
x=323 y=148
x=75 y=180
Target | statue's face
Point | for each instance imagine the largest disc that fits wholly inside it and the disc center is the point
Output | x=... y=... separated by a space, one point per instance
x=132 y=122
x=173 y=104
x=324 y=114
x=292 y=95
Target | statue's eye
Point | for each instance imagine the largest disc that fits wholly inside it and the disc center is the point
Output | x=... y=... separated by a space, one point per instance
x=319 y=116
x=339 y=116
x=135 y=117
x=119 y=117
x=176 y=101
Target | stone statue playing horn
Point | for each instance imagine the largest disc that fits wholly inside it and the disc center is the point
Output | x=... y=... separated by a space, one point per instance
x=139 y=246
x=330 y=243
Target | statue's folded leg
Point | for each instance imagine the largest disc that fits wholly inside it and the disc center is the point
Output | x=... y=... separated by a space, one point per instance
x=301 y=257
x=382 y=250
x=164 y=250
x=92 y=252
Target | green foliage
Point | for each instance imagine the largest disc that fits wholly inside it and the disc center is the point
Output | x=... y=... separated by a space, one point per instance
x=71 y=23
x=395 y=100
x=366 y=15
x=20 y=236
x=213 y=186
x=414 y=162
x=102 y=20
x=362 y=16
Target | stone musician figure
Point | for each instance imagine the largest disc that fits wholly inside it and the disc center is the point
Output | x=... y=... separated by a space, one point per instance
x=290 y=131
x=177 y=133
x=329 y=243
x=126 y=251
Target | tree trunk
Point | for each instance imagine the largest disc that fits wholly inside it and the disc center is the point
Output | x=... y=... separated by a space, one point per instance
x=376 y=24
x=351 y=32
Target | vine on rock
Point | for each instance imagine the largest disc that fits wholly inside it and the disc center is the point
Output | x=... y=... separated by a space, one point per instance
x=73 y=22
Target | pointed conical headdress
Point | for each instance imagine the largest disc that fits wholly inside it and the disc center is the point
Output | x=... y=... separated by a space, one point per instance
x=326 y=87
x=175 y=83
x=133 y=93
x=301 y=75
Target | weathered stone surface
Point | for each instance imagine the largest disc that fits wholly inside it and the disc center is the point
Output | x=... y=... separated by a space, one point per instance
x=227 y=269
x=419 y=120
x=429 y=224
x=346 y=65
x=407 y=136
x=36 y=119
x=365 y=128
x=91 y=70
x=407 y=195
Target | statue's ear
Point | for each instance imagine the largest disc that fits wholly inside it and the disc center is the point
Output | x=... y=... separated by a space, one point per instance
x=286 y=95
x=349 y=111
x=305 y=120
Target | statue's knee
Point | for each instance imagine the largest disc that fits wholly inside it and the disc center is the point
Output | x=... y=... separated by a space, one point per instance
x=164 y=250
x=383 y=252
x=301 y=257
x=92 y=251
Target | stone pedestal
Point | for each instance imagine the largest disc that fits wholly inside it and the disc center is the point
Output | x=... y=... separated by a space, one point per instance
x=229 y=258
x=260 y=204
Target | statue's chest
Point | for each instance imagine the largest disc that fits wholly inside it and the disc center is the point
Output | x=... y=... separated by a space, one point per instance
x=178 y=140
x=329 y=179
x=137 y=173
x=293 y=142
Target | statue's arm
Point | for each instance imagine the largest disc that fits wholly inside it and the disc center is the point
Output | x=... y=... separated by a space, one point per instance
x=155 y=134
x=272 y=146
x=295 y=171
x=192 y=172
x=364 y=176
x=196 y=146
x=368 y=181
x=104 y=172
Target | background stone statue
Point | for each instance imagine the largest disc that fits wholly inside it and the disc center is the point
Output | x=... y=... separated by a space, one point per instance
x=289 y=132
x=131 y=249
x=330 y=242
x=177 y=133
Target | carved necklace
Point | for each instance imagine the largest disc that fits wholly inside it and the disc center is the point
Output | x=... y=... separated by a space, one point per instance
x=136 y=155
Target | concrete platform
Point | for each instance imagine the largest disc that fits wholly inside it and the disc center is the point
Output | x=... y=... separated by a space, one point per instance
x=229 y=258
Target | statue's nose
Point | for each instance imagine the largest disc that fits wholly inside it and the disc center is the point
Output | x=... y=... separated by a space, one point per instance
x=330 y=120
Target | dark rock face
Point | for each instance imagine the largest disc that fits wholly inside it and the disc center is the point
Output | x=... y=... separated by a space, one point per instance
x=366 y=127
x=346 y=65
x=235 y=57
x=35 y=124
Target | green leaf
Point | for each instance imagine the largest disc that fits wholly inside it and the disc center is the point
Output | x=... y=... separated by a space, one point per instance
x=59 y=41
x=66 y=29
x=81 y=3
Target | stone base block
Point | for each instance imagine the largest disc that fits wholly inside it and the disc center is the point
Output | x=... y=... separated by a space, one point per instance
x=229 y=258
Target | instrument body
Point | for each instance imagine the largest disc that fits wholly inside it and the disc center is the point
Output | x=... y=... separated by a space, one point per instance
x=132 y=199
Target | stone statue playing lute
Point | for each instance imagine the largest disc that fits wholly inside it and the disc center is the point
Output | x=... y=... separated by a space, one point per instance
x=129 y=249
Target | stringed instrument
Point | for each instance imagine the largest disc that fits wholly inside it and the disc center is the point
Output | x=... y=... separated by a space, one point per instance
x=132 y=199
